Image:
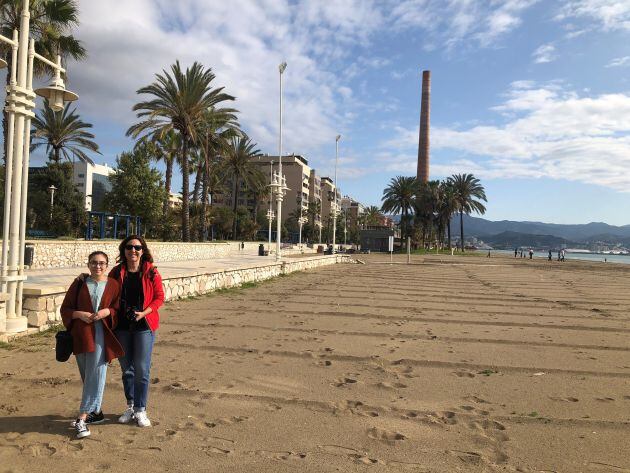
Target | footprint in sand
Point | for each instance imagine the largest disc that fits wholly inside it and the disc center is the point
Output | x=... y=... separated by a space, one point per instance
x=343 y=382
x=476 y=400
x=388 y=436
x=464 y=374
x=386 y=385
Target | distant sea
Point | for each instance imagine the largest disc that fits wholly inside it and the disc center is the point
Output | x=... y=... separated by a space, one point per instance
x=625 y=259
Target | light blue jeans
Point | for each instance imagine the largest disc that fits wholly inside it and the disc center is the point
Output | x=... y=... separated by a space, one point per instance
x=136 y=366
x=93 y=369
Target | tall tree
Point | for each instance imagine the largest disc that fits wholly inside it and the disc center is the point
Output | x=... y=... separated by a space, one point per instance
x=468 y=192
x=217 y=128
x=372 y=215
x=446 y=208
x=240 y=168
x=137 y=189
x=398 y=198
x=51 y=22
x=68 y=211
x=180 y=101
x=63 y=134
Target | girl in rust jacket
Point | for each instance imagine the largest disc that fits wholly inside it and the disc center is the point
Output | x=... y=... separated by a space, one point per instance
x=89 y=312
x=141 y=296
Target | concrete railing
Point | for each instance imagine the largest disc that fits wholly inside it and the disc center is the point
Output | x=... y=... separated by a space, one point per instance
x=68 y=254
x=42 y=305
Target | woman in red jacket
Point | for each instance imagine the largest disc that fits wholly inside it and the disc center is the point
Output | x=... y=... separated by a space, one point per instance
x=89 y=312
x=141 y=296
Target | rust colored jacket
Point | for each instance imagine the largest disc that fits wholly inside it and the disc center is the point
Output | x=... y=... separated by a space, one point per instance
x=83 y=333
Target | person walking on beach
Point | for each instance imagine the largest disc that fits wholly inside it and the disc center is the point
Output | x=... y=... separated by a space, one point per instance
x=531 y=253
x=89 y=312
x=141 y=296
x=562 y=255
x=515 y=252
x=549 y=255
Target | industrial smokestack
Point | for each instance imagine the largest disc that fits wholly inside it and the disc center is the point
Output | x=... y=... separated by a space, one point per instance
x=423 y=141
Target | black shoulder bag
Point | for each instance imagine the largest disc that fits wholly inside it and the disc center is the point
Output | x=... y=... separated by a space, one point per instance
x=63 y=338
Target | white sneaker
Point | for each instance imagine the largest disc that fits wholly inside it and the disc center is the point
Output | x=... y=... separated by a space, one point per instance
x=81 y=428
x=127 y=416
x=142 y=419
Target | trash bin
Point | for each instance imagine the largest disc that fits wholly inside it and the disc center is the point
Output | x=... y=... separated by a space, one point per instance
x=29 y=254
x=320 y=248
x=261 y=250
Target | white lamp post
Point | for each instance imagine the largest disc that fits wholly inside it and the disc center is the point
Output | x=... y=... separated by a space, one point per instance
x=320 y=225
x=270 y=213
x=270 y=216
x=334 y=206
x=52 y=190
x=281 y=179
x=301 y=221
x=20 y=105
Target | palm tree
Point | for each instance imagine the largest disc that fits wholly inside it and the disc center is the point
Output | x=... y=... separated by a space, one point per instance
x=466 y=189
x=240 y=168
x=217 y=128
x=181 y=100
x=50 y=24
x=398 y=198
x=372 y=215
x=426 y=207
x=63 y=133
x=446 y=208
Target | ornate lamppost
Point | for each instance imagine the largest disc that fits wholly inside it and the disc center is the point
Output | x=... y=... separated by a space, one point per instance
x=20 y=106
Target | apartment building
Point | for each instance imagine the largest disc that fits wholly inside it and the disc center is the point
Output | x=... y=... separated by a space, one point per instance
x=298 y=175
x=352 y=210
x=92 y=180
x=328 y=197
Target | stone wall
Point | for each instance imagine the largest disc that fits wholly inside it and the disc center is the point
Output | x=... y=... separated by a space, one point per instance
x=67 y=254
x=42 y=305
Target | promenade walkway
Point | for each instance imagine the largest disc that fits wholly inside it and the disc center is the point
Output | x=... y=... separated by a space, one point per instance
x=38 y=278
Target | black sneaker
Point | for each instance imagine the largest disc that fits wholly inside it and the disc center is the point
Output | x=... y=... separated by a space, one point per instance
x=92 y=418
x=95 y=418
x=82 y=429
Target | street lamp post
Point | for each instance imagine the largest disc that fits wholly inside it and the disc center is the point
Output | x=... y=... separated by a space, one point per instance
x=320 y=225
x=52 y=190
x=20 y=105
x=281 y=180
x=301 y=221
x=270 y=213
x=270 y=216
x=334 y=207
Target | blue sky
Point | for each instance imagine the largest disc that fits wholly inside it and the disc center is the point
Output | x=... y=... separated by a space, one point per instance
x=533 y=97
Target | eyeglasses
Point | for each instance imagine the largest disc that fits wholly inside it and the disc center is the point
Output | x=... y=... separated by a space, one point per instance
x=133 y=247
x=98 y=263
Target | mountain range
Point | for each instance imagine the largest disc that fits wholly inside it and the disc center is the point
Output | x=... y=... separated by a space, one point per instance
x=582 y=233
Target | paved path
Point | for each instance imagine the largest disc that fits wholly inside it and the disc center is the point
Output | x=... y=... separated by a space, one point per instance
x=63 y=276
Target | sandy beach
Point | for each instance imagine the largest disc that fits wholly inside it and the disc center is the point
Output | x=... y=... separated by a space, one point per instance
x=448 y=364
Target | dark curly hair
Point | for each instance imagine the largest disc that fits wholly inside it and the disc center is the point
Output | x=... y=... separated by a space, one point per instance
x=146 y=253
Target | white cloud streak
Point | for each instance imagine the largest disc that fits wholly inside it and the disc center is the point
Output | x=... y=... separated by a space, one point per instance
x=544 y=53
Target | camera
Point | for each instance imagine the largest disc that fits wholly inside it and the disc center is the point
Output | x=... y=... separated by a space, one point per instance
x=130 y=314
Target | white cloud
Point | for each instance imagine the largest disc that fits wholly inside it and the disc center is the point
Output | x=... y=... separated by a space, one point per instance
x=555 y=133
x=243 y=42
x=620 y=61
x=544 y=53
x=452 y=22
x=610 y=14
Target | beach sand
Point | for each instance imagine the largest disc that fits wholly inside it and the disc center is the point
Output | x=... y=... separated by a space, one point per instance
x=449 y=364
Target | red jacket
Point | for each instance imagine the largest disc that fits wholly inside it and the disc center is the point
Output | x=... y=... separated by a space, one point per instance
x=152 y=290
x=82 y=333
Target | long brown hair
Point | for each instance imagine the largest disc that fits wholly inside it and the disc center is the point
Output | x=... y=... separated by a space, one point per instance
x=146 y=254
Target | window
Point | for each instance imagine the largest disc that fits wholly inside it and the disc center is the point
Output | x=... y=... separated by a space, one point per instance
x=80 y=175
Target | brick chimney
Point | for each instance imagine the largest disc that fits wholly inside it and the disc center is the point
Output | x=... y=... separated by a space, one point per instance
x=423 y=141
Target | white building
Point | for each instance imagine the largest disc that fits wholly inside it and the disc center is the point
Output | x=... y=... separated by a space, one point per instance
x=93 y=182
